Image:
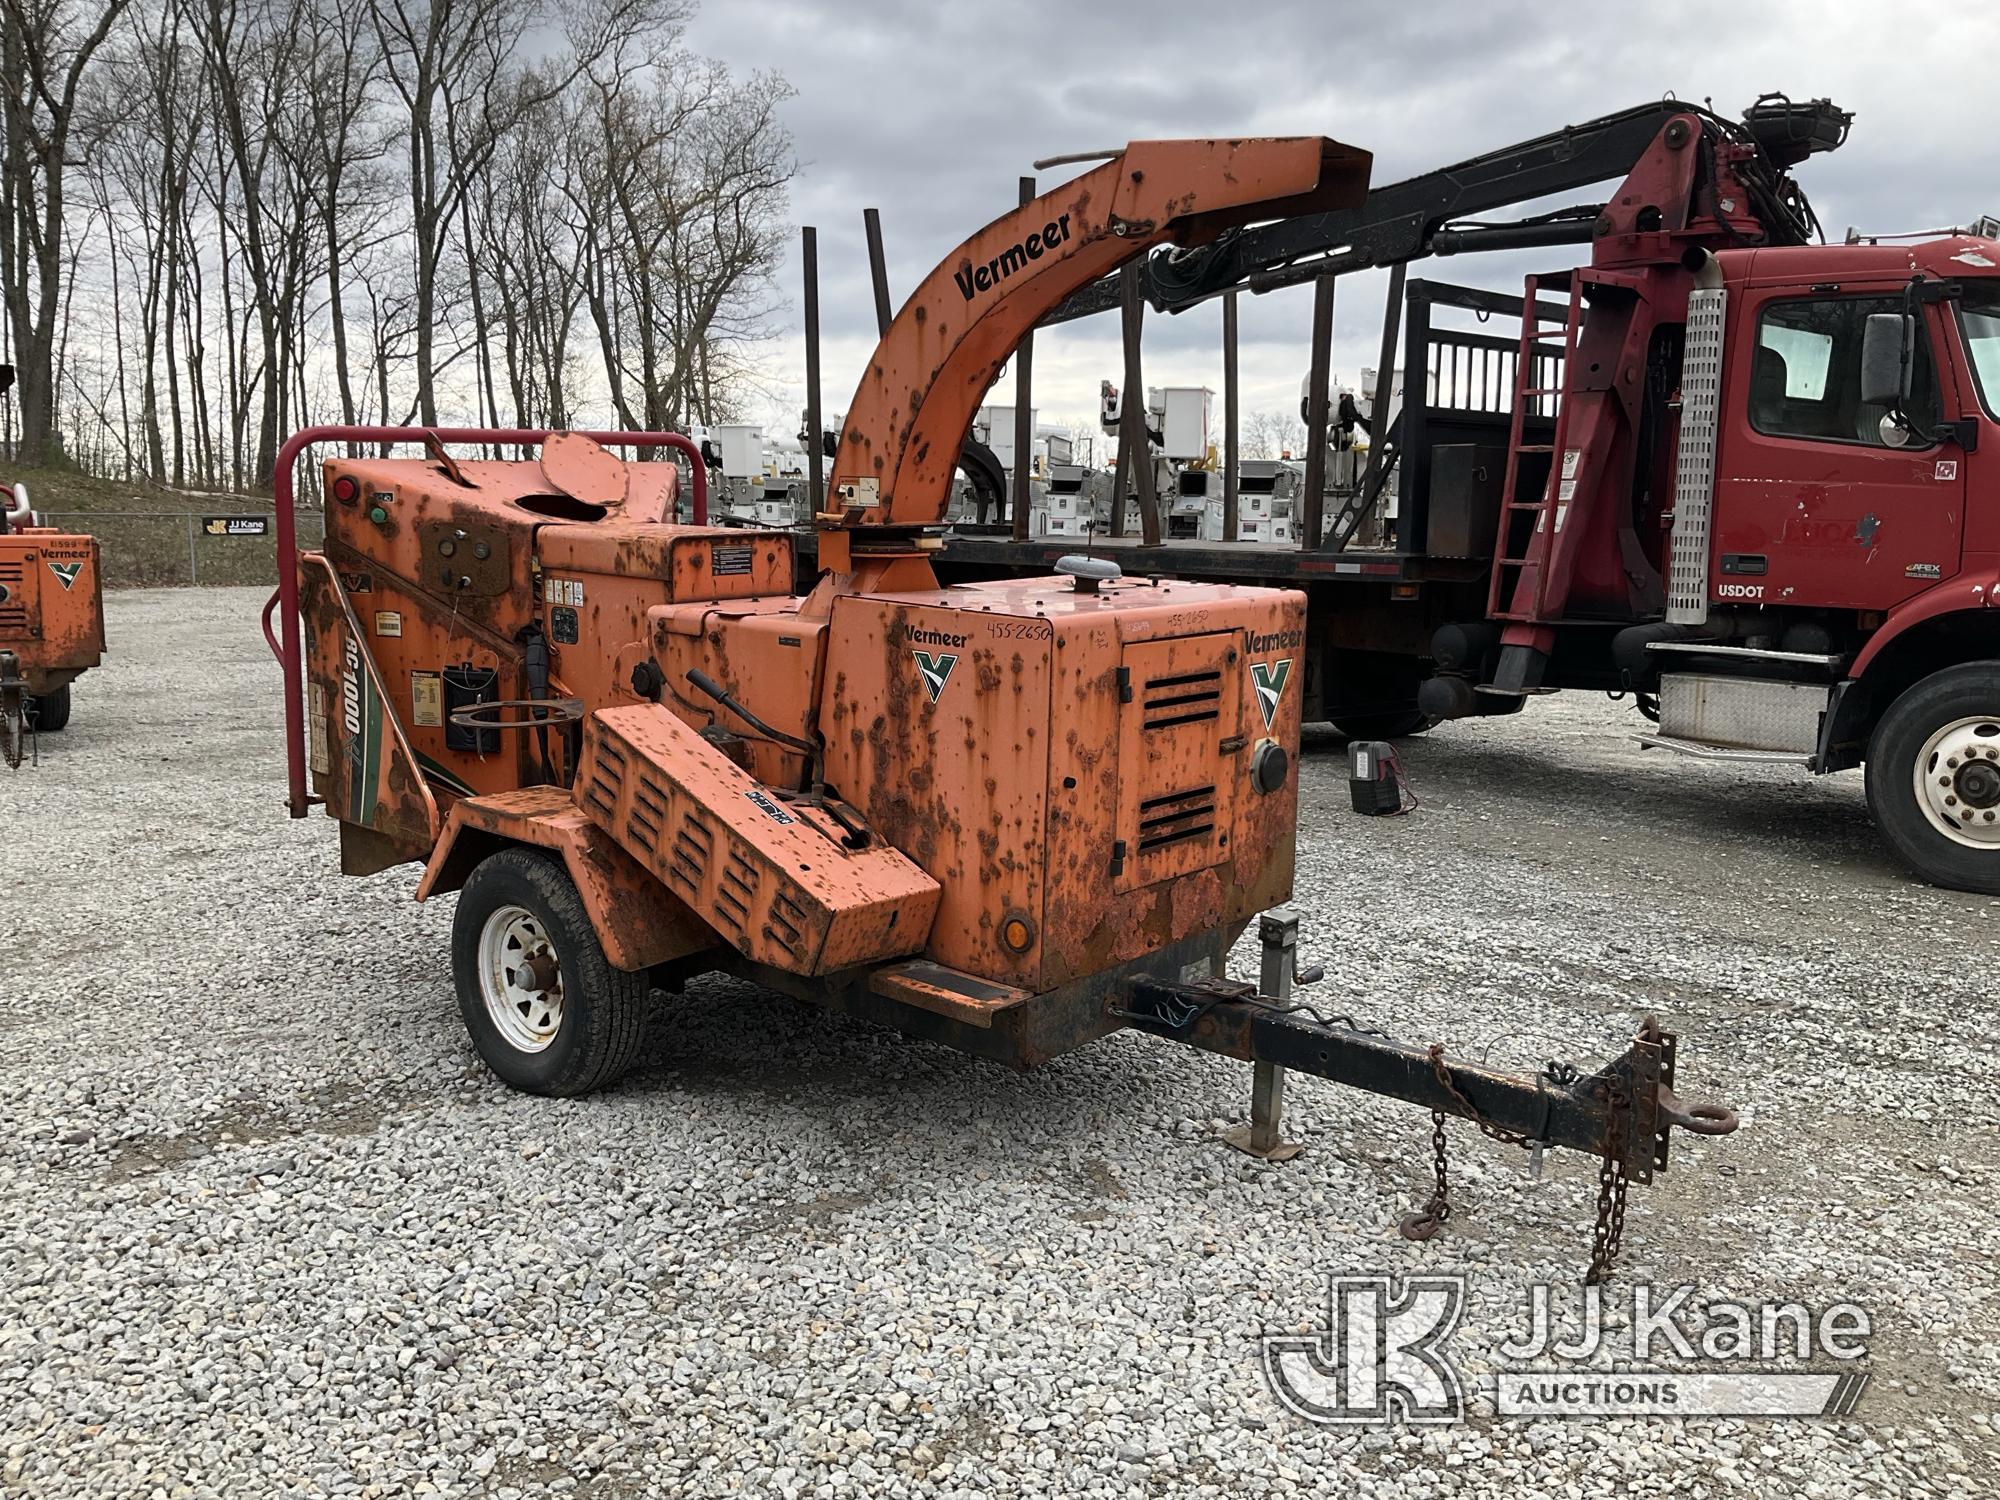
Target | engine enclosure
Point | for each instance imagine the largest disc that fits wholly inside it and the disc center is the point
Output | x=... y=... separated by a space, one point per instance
x=1075 y=762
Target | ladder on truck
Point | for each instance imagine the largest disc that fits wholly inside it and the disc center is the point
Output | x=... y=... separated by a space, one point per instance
x=1515 y=549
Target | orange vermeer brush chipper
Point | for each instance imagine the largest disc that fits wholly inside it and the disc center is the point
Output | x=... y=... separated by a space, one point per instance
x=1011 y=816
x=51 y=619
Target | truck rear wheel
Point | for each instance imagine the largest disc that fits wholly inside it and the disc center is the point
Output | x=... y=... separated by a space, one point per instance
x=1934 y=777
x=51 y=711
x=546 y=1010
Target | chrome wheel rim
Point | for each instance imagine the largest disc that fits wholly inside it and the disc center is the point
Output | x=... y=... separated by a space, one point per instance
x=520 y=979
x=1958 y=781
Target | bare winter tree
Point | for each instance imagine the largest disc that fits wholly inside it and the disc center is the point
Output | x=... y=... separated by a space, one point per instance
x=45 y=48
x=1273 y=434
x=679 y=211
x=247 y=215
x=530 y=257
x=147 y=105
x=348 y=144
x=453 y=65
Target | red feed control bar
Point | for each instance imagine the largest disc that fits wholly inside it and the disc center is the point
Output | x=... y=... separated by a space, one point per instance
x=284 y=641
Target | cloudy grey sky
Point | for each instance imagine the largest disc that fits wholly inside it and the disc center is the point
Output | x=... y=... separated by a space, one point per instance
x=931 y=111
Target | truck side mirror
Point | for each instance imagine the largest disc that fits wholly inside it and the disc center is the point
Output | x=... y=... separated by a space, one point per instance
x=1887 y=342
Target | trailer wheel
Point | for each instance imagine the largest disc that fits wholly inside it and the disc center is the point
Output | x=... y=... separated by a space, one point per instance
x=51 y=711
x=547 y=1012
x=1934 y=777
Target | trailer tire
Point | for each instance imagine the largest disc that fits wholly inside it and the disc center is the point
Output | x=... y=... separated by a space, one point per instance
x=50 y=712
x=1933 y=759
x=545 y=1008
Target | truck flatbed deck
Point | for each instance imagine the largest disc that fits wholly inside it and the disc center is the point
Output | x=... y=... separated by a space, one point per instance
x=1276 y=563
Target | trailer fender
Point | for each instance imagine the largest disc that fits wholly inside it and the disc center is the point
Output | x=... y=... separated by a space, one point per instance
x=1952 y=623
x=638 y=920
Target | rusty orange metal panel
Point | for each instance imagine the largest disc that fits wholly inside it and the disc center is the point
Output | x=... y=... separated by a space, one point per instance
x=362 y=764
x=414 y=638
x=637 y=919
x=51 y=604
x=466 y=547
x=1178 y=785
x=1096 y=918
x=711 y=563
x=768 y=659
x=1015 y=772
x=584 y=469
x=773 y=877
x=937 y=727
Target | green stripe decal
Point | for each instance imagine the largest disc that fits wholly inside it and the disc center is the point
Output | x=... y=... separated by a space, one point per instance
x=443 y=776
x=371 y=739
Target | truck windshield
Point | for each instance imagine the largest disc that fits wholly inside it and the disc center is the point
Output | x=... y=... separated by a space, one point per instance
x=1979 y=321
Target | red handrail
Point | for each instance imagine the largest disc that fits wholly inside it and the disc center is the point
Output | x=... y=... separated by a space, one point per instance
x=288 y=649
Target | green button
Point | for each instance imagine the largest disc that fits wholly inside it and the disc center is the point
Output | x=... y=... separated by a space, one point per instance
x=379 y=516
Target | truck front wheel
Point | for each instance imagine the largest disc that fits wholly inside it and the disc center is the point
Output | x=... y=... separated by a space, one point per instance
x=547 y=1012
x=1934 y=777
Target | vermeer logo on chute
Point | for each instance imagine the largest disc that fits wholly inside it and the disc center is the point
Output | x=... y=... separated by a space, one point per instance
x=1042 y=242
x=1269 y=678
x=66 y=573
x=935 y=671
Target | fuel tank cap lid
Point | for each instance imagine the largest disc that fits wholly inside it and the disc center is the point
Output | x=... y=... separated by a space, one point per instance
x=1088 y=572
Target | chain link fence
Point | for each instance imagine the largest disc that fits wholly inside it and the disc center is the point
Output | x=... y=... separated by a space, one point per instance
x=167 y=549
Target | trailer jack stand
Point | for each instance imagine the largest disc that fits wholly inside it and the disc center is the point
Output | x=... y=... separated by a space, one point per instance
x=1621 y=1113
x=17 y=729
x=1262 y=1137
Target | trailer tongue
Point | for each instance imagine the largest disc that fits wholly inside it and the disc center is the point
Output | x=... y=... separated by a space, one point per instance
x=1011 y=817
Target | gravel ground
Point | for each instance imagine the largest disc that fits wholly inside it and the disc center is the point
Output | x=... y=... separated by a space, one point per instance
x=268 y=1228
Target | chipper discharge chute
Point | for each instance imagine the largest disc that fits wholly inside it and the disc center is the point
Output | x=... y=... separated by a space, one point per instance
x=1012 y=817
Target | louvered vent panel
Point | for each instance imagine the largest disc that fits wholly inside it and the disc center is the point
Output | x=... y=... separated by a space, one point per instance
x=1176 y=818
x=13 y=599
x=1191 y=698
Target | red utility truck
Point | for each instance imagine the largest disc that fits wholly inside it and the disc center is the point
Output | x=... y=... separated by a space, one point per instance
x=1747 y=479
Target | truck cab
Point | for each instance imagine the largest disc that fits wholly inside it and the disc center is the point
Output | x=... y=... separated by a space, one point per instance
x=1852 y=549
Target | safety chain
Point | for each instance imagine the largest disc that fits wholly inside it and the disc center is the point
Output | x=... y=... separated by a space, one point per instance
x=1429 y=1219
x=1610 y=1229
x=1486 y=1126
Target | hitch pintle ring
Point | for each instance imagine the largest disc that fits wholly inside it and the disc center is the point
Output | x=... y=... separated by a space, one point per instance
x=1696 y=1119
